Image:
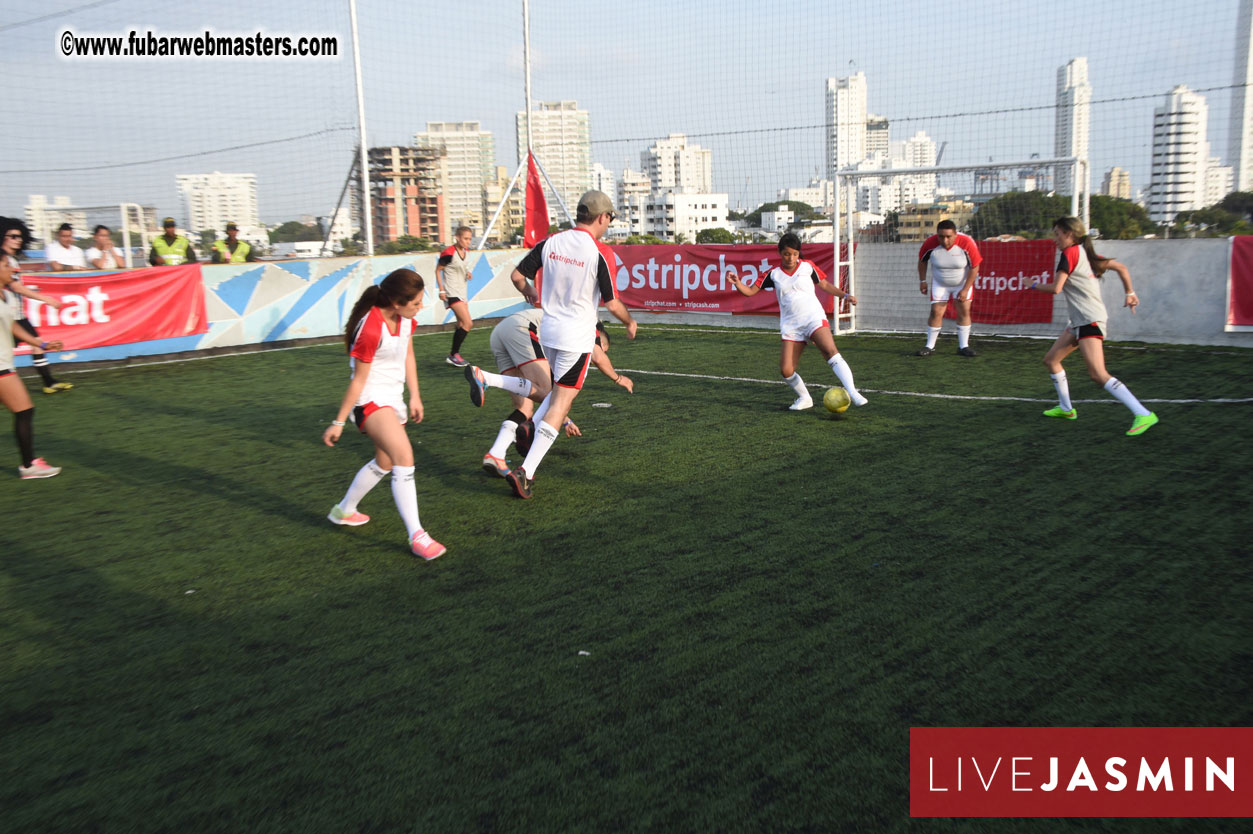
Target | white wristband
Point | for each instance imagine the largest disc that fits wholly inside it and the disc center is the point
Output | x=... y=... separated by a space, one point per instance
x=337 y=423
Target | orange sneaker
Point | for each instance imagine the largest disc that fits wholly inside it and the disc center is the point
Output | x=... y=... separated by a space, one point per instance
x=425 y=546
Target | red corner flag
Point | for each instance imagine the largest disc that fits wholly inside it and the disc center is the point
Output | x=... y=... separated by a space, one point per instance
x=536 y=208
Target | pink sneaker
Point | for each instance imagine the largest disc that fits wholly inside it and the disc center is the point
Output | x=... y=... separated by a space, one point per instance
x=426 y=547
x=38 y=468
x=495 y=466
x=353 y=519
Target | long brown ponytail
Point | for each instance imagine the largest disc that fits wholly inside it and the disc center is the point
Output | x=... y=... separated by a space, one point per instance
x=1080 y=233
x=399 y=287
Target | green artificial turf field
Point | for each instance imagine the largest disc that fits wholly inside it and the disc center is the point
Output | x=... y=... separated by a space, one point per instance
x=766 y=600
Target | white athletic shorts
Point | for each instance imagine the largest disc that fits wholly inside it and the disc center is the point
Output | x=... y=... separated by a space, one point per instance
x=362 y=412
x=793 y=332
x=942 y=292
x=569 y=368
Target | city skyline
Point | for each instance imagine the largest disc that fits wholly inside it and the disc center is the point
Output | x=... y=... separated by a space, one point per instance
x=765 y=128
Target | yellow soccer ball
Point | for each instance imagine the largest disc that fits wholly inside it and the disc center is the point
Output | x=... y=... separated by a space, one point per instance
x=836 y=400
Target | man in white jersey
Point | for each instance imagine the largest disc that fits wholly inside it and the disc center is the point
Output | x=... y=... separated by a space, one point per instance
x=577 y=277
x=952 y=262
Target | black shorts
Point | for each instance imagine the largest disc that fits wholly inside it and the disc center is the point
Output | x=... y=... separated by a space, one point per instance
x=5 y=372
x=448 y=302
x=26 y=323
x=1090 y=331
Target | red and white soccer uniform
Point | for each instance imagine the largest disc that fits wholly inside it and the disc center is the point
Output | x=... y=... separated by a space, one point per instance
x=1082 y=291
x=948 y=268
x=800 y=311
x=577 y=278
x=456 y=274
x=385 y=350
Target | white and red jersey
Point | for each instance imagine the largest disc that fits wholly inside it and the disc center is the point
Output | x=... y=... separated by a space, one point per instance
x=949 y=266
x=385 y=350
x=1082 y=289
x=796 y=294
x=455 y=271
x=577 y=277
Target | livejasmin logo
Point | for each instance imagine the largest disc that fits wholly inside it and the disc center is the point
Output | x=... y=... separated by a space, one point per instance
x=1080 y=772
x=1080 y=775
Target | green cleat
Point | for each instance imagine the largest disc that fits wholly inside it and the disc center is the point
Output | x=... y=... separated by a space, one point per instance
x=1142 y=423
x=1058 y=411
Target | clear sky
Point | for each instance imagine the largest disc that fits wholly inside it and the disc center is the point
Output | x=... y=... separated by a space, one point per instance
x=745 y=79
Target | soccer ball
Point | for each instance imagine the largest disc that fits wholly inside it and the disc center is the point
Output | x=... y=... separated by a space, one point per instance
x=836 y=400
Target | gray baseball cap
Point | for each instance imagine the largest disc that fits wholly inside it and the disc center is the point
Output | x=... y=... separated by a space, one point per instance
x=592 y=205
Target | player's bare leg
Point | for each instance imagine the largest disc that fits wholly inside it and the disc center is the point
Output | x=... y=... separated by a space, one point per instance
x=789 y=359
x=825 y=342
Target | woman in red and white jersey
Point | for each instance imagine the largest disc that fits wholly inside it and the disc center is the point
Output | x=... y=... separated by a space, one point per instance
x=1079 y=270
x=380 y=343
x=802 y=319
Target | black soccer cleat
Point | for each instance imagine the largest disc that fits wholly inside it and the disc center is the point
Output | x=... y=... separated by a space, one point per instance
x=966 y=351
x=523 y=436
x=926 y=351
x=520 y=483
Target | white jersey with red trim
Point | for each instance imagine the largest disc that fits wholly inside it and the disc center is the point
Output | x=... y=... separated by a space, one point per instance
x=374 y=342
x=577 y=276
x=949 y=266
x=796 y=294
x=1082 y=289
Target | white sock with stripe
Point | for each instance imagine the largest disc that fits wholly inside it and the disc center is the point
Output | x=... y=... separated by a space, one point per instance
x=1124 y=396
x=538 y=416
x=405 y=493
x=798 y=385
x=508 y=430
x=933 y=333
x=367 y=479
x=519 y=385
x=1063 y=390
x=545 y=437
x=963 y=335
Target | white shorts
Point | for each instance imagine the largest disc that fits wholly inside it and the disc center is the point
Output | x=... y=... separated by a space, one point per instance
x=802 y=333
x=941 y=293
x=361 y=413
x=568 y=367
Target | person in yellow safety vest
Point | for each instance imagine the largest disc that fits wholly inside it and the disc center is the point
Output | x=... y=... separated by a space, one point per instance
x=171 y=249
x=232 y=250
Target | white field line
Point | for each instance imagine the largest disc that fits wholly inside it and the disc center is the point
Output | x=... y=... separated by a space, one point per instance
x=920 y=393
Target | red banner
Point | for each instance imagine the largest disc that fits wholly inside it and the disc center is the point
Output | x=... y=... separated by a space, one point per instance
x=162 y=302
x=1240 y=294
x=1003 y=293
x=1080 y=771
x=692 y=278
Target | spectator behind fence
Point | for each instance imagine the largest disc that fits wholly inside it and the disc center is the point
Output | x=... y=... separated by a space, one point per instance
x=62 y=253
x=171 y=249
x=103 y=254
x=232 y=250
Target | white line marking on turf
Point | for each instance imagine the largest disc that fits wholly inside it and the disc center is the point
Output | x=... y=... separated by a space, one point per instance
x=921 y=393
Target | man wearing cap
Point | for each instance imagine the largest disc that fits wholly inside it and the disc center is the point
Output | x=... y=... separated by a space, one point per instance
x=171 y=249
x=232 y=250
x=578 y=275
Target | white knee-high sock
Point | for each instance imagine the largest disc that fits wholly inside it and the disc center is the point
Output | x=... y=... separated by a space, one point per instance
x=933 y=333
x=545 y=437
x=538 y=416
x=519 y=385
x=844 y=373
x=1124 y=396
x=1063 y=390
x=367 y=479
x=508 y=430
x=798 y=385
x=405 y=493
x=963 y=335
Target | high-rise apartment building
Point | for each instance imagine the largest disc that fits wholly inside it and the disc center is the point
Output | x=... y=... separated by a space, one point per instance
x=1180 y=155
x=1240 y=150
x=405 y=196
x=1117 y=183
x=512 y=217
x=876 y=135
x=213 y=200
x=468 y=162
x=1073 y=121
x=44 y=218
x=562 y=141
x=846 y=113
x=674 y=163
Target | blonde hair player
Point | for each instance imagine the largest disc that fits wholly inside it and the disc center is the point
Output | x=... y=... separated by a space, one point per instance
x=802 y=319
x=380 y=342
x=1079 y=269
x=452 y=275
